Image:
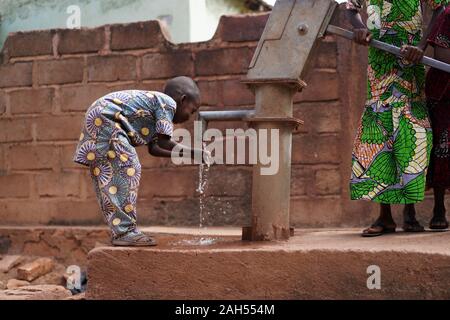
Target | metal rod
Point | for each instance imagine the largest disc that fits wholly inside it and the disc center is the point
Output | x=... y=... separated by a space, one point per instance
x=389 y=48
x=226 y=115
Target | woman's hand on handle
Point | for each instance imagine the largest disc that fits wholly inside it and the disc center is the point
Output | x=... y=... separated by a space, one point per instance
x=362 y=36
x=411 y=53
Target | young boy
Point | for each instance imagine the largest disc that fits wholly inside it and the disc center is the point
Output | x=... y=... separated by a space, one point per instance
x=114 y=125
x=392 y=147
x=437 y=89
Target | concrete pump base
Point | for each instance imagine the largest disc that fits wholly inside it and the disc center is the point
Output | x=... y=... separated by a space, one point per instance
x=314 y=264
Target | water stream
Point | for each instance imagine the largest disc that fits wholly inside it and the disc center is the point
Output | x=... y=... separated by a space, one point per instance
x=204 y=213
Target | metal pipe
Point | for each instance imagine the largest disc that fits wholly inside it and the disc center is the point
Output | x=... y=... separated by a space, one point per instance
x=389 y=48
x=221 y=115
x=225 y=115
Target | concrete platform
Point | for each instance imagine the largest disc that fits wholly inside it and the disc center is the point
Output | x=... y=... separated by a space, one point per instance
x=314 y=264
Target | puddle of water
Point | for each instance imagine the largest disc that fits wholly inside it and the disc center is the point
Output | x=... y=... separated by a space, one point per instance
x=199 y=241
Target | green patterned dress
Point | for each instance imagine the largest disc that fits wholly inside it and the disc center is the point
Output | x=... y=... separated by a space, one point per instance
x=393 y=143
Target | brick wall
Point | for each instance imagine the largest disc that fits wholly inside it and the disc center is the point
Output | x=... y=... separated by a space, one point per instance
x=49 y=78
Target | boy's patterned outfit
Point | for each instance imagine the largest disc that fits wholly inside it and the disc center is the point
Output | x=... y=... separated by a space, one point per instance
x=114 y=125
x=394 y=139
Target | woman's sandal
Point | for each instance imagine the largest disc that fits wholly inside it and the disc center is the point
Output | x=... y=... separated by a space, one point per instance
x=438 y=223
x=413 y=226
x=378 y=229
x=134 y=239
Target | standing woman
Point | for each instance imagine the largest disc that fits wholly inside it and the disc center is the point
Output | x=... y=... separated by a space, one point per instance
x=438 y=101
x=393 y=143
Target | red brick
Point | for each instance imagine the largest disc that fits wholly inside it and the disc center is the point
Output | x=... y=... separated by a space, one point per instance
x=25 y=211
x=157 y=85
x=54 y=128
x=111 y=68
x=2 y=159
x=237 y=28
x=223 y=93
x=222 y=61
x=60 y=71
x=66 y=154
x=86 y=186
x=299 y=180
x=217 y=211
x=319 y=117
x=30 y=43
x=32 y=100
x=308 y=149
x=150 y=85
x=223 y=211
x=2 y=103
x=236 y=93
x=322 y=85
x=326 y=55
x=169 y=211
x=211 y=92
x=80 y=97
x=77 y=212
x=16 y=75
x=179 y=182
x=35 y=269
x=22 y=157
x=15 y=130
x=61 y=184
x=166 y=65
x=150 y=162
x=222 y=181
x=14 y=186
x=316 y=212
x=136 y=35
x=328 y=181
x=81 y=40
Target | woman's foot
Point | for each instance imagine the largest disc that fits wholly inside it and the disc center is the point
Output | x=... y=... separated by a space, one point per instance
x=410 y=223
x=379 y=228
x=439 y=221
x=134 y=239
x=412 y=226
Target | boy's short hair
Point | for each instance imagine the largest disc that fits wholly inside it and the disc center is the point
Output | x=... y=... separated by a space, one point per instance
x=178 y=86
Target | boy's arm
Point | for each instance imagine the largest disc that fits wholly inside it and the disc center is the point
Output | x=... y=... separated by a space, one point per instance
x=163 y=147
x=155 y=150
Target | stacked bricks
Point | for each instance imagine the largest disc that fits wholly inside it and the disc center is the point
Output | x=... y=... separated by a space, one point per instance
x=49 y=78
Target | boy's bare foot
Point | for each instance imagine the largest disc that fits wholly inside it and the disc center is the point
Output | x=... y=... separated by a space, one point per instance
x=134 y=239
x=410 y=223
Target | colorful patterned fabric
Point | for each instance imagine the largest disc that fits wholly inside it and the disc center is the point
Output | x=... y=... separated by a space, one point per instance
x=394 y=139
x=114 y=125
x=438 y=100
x=116 y=183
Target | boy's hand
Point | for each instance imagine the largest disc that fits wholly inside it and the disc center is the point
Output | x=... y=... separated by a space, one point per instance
x=411 y=53
x=362 y=36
